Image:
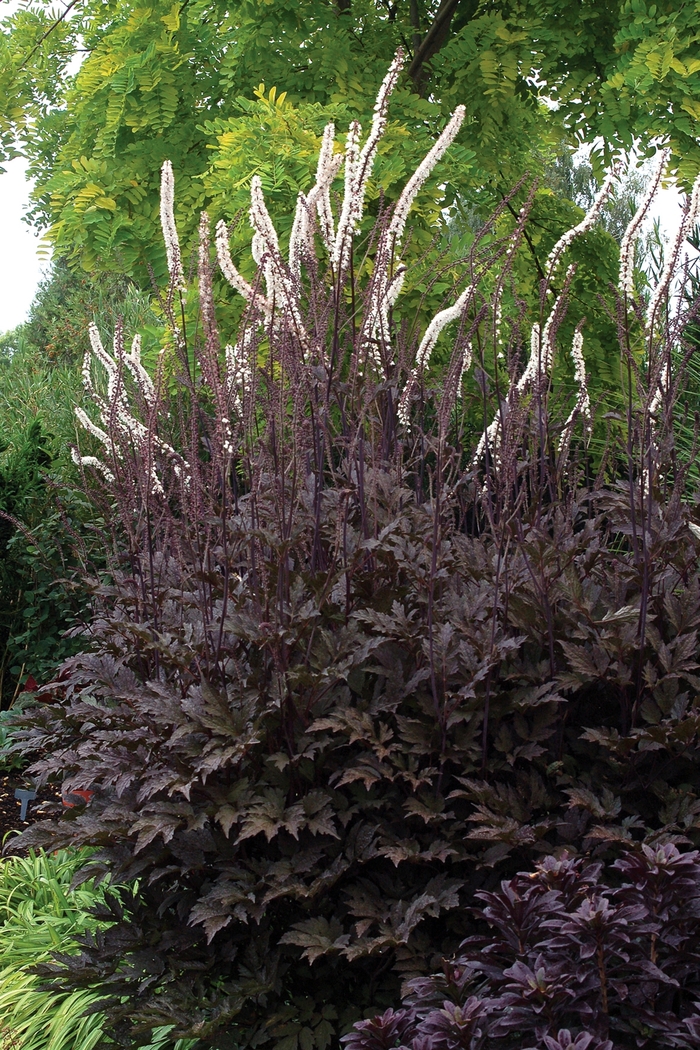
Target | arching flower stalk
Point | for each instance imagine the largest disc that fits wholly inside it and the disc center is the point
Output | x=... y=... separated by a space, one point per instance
x=465 y=365
x=536 y=373
x=141 y=377
x=283 y=279
x=167 y=221
x=92 y=428
x=587 y=222
x=234 y=278
x=119 y=424
x=427 y=345
x=582 y=407
x=626 y=279
x=94 y=462
x=498 y=321
x=490 y=441
x=539 y=366
x=661 y=390
x=209 y=355
x=281 y=295
x=383 y=297
x=454 y=381
x=239 y=372
x=661 y=378
x=384 y=291
x=397 y=226
x=299 y=237
x=533 y=368
x=690 y=217
x=329 y=164
x=346 y=224
x=358 y=167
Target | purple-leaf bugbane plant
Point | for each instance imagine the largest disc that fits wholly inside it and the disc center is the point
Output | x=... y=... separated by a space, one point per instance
x=346 y=669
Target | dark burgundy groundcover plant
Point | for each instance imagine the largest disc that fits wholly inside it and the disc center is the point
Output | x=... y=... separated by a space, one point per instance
x=576 y=957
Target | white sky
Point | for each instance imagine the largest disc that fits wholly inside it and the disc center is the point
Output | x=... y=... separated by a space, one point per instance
x=21 y=269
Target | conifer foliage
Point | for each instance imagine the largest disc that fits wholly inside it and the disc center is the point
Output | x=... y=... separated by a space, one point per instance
x=346 y=669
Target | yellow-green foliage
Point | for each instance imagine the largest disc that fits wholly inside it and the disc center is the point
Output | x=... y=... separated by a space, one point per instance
x=281 y=142
x=40 y=914
x=161 y=80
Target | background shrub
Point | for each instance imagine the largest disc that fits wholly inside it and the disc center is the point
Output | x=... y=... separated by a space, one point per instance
x=38 y=599
x=44 y=532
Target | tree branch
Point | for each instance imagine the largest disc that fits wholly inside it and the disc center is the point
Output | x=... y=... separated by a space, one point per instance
x=43 y=37
x=432 y=41
x=415 y=22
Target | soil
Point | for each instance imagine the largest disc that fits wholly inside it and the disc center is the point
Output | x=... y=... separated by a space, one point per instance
x=47 y=803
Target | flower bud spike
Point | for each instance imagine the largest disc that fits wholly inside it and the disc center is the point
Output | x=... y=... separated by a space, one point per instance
x=587 y=222
x=626 y=278
x=167 y=222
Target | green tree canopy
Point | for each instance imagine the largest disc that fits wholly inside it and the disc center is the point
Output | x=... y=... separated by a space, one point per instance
x=179 y=80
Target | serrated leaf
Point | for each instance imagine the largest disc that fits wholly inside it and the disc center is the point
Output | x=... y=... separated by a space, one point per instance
x=317 y=937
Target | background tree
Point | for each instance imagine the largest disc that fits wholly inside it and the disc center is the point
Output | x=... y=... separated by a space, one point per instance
x=173 y=80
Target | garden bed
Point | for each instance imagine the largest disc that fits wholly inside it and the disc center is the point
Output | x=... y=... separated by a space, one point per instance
x=47 y=801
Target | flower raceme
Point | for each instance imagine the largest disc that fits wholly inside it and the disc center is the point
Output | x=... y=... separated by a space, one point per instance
x=626 y=280
x=542 y=338
x=116 y=414
x=167 y=221
x=282 y=278
x=276 y=301
x=690 y=216
x=281 y=302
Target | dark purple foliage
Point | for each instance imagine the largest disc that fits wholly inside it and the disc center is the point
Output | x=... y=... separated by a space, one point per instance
x=611 y=955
